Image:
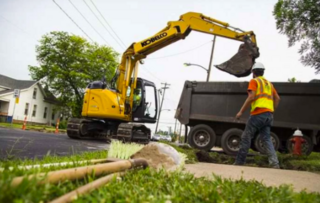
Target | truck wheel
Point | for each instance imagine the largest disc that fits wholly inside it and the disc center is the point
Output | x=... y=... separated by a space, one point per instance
x=202 y=137
x=316 y=148
x=253 y=147
x=306 y=148
x=259 y=144
x=230 y=141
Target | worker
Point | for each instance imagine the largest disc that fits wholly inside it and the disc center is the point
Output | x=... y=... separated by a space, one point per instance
x=264 y=99
x=136 y=98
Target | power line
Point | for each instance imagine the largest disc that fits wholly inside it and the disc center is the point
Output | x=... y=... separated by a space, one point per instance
x=107 y=23
x=16 y=26
x=102 y=24
x=72 y=20
x=144 y=69
x=181 y=52
x=89 y=23
x=166 y=86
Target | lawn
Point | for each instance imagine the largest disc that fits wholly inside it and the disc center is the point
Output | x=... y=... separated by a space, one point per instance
x=142 y=186
x=40 y=128
x=287 y=161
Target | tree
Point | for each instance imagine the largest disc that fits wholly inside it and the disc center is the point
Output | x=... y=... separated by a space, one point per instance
x=293 y=80
x=300 y=21
x=68 y=63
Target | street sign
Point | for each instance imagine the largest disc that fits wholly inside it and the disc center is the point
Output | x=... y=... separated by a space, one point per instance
x=16 y=93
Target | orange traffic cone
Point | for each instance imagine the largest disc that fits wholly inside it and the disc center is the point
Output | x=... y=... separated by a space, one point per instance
x=57 y=126
x=24 y=123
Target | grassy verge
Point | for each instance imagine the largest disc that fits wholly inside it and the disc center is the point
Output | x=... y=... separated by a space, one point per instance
x=287 y=161
x=40 y=128
x=144 y=186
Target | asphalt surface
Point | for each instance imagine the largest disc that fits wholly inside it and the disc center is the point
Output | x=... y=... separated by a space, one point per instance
x=30 y=144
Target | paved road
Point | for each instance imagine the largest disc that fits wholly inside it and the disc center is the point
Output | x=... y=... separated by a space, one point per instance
x=32 y=144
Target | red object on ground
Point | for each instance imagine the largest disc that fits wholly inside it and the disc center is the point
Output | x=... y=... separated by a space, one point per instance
x=57 y=126
x=297 y=141
x=24 y=123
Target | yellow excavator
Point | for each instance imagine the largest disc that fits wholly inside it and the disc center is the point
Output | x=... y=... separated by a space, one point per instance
x=118 y=109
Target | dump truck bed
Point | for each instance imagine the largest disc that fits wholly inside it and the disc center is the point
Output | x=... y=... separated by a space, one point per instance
x=221 y=101
x=215 y=104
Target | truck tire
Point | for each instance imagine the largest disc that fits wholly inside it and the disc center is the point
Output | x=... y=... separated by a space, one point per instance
x=202 y=137
x=259 y=145
x=316 y=148
x=306 y=148
x=230 y=141
x=253 y=147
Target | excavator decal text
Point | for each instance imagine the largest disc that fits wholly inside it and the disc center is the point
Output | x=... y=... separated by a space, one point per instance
x=153 y=39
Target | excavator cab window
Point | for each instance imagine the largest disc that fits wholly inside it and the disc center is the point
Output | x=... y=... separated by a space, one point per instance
x=136 y=98
x=150 y=103
x=145 y=102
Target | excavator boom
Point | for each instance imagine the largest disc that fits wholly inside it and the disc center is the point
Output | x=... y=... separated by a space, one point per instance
x=239 y=65
x=108 y=110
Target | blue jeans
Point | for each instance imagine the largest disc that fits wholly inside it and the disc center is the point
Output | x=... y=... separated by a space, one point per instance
x=258 y=123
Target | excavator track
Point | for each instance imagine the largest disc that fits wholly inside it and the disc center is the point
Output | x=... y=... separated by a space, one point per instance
x=79 y=128
x=128 y=132
x=73 y=128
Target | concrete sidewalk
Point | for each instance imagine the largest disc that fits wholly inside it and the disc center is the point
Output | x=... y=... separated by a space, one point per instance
x=300 y=180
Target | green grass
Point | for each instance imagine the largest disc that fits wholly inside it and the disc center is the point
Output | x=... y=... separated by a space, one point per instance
x=144 y=186
x=287 y=161
x=40 y=128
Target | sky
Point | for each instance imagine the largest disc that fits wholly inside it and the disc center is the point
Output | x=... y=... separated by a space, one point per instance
x=22 y=23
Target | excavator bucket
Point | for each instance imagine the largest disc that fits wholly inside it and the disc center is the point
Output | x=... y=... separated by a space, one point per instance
x=240 y=64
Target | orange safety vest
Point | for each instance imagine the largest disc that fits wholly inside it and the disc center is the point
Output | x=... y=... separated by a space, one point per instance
x=264 y=95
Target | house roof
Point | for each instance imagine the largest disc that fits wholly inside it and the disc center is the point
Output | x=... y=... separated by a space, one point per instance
x=9 y=84
x=14 y=84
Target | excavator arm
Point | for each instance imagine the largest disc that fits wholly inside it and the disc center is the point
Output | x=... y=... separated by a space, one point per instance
x=239 y=65
x=106 y=111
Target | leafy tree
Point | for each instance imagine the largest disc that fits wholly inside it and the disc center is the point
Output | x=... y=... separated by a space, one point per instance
x=300 y=21
x=68 y=63
x=293 y=80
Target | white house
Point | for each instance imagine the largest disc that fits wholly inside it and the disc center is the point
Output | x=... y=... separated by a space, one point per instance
x=38 y=105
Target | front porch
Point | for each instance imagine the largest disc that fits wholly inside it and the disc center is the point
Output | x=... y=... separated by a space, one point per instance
x=4 y=108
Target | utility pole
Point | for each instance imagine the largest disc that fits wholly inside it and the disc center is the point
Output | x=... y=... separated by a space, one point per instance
x=166 y=86
x=211 y=56
x=180 y=131
x=175 y=127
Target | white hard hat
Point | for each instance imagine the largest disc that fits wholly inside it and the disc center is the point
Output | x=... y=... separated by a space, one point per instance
x=258 y=65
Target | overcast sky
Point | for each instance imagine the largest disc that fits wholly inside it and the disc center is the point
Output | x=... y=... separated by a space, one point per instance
x=22 y=23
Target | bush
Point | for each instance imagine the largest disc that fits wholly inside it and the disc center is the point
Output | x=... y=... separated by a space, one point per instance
x=63 y=124
x=3 y=119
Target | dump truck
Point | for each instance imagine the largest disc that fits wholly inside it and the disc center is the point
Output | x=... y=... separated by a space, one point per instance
x=209 y=109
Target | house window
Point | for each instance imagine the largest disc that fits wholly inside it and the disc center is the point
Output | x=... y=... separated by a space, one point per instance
x=34 y=93
x=26 y=109
x=52 y=116
x=45 y=112
x=34 y=111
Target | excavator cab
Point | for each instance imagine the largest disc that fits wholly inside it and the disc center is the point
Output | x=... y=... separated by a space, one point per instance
x=145 y=102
